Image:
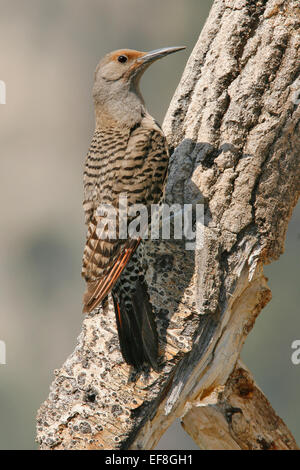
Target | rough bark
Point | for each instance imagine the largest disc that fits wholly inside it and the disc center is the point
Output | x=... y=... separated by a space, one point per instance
x=234 y=127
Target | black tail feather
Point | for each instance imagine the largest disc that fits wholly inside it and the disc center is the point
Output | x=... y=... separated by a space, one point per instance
x=137 y=329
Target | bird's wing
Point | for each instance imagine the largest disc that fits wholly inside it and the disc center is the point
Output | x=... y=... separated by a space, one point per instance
x=97 y=290
x=144 y=167
x=139 y=176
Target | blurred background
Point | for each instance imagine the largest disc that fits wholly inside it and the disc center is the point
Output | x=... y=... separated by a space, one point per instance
x=48 y=53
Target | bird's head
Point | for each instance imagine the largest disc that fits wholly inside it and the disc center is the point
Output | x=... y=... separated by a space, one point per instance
x=121 y=71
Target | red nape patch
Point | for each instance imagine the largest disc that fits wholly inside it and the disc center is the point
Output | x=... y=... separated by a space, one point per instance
x=131 y=54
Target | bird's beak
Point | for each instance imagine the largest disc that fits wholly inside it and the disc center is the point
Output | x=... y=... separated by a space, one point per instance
x=157 y=54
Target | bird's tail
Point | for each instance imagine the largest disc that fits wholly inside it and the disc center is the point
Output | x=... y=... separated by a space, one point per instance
x=136 y=326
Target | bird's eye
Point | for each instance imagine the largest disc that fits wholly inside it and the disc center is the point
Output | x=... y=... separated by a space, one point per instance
x=122 y=59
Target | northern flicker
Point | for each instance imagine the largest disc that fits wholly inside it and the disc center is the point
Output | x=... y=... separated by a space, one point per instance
x=128 y=156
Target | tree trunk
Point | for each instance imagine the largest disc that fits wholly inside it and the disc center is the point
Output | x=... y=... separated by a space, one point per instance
x=233 y=128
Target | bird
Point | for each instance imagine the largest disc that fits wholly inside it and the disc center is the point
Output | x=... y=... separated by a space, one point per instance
x=128 y=157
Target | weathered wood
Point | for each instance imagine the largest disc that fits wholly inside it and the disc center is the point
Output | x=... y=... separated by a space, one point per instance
x=234 y=126
x=237 y=416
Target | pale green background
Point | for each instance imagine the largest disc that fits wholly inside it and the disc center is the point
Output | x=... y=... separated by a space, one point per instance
x=48 y=53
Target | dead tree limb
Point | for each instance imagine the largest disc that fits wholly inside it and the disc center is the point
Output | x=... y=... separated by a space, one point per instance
x=233 y=127
x=234 y=416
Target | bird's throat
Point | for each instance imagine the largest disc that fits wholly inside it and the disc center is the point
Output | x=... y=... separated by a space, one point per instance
x=124 y=110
